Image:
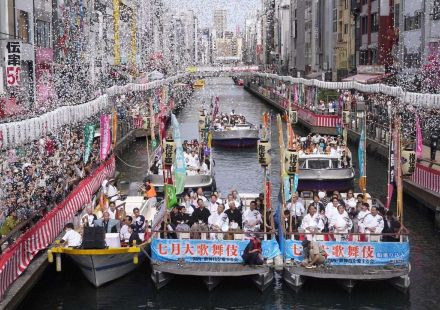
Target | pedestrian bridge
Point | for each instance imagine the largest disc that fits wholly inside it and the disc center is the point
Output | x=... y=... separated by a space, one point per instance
x=211 y=71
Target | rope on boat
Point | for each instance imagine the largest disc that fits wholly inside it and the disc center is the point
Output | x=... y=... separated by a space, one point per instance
x=127 y=164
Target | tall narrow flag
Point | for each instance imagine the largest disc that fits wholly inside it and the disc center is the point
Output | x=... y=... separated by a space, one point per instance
x=361 y=158
x=391 y=171
x=114 y=127
x=89 y=134
x=179 y=170
x=170 y=195
x=419 y=139
x=104 y=137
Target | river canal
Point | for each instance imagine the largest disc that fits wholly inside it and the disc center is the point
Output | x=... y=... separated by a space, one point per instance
x=240 y=170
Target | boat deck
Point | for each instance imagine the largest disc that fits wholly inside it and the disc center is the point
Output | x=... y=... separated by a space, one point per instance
x=210 y=270
x=348 y=276
x=350 y=272
x=211 y=273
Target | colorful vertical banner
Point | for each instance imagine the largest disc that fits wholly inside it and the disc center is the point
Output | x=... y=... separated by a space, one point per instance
x=391 y=171
x=105 y=140
x=419 y=139
x=162 y=127
x=179 y=170
x=361 y=158
x=152 y=125
x=286 y=187
x=89 y=134
x=170 y=195
x=114 y=128
x=116 y=30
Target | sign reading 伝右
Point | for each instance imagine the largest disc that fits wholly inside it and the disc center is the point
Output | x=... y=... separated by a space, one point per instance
x=207 y=251
x=355 y=253
x=13 y=63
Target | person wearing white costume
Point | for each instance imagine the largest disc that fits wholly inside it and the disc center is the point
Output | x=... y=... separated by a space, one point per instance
x=192 y=163
x=212 y=204
x=312 y=223
x=218 y=221
x=331 y=209
x=373 y=224
x=341 y=224
x=350 y=201
x=252 y=218
x=362 y=214
x=110 y=190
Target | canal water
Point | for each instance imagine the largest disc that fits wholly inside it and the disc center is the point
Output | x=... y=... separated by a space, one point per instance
x=240 y=170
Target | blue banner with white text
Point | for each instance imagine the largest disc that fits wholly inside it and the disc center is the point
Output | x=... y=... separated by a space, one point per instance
x=355 y=253
x=207 y=251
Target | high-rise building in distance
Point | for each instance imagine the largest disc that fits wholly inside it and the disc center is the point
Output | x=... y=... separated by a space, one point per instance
x=220 y=22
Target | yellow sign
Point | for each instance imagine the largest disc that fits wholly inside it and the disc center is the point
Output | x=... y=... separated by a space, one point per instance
x=116 y=16
x=191 y=69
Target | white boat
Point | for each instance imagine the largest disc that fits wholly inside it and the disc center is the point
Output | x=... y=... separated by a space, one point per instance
x=324 y=172
x=101 y=266
x=236 y=136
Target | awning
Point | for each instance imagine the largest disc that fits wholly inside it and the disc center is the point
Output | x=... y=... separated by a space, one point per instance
x=314 y=75
x=365 y=78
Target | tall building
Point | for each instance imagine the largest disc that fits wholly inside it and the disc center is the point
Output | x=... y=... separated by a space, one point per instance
x=220 y=23
x=343 y=37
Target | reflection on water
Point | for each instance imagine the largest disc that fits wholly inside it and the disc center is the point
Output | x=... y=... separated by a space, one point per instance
x=239 y=170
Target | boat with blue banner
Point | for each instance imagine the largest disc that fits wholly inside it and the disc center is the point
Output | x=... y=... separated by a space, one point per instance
x=103 y=261
x=346 y=238
x=215 y=255
x=231 y=130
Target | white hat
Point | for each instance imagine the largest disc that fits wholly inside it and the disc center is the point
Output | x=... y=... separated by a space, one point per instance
x=321 y=195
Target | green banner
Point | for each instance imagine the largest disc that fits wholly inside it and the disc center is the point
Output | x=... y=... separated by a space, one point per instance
x=170 y=195
x=89 y=134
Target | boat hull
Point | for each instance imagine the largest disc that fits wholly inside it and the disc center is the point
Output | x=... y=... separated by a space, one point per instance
x=340 y=179
x=235 y=138
x=101 y=269
x=324 y=185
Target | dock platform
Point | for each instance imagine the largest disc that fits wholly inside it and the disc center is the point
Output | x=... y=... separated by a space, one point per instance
x=296 y=275
x=162 y=273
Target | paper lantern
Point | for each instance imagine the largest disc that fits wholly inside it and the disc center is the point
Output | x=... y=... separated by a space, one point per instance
x=292 y=158
x=169 y=153
x=408 y=162
x=263 y=152
x=202 y=122
x=346 y=117
x=293 y=117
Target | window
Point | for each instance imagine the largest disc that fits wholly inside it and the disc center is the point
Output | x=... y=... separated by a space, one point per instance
x=345 y=28
x=413 y=22
x=42 y=34
x=335 y=17
x=436 y=9
x=412 y=60
x=373 y=56
x=318 y=164
x=374 y=22
x=364 y=24
x=364 y=2
x=397 y=15
x=23 y=26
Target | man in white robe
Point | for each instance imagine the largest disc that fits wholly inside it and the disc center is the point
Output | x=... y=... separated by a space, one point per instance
x=218 y=221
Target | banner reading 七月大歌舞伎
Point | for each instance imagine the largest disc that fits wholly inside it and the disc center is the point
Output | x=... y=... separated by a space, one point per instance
x=89 y=134
x=104 y=137
x=355 y=253
x=207 y=251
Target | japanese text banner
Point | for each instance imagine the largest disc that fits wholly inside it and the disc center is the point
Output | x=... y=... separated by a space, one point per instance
x=207 y=251
x=355 y=253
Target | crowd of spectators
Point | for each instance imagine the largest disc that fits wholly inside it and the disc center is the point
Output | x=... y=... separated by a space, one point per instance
x=39 y=175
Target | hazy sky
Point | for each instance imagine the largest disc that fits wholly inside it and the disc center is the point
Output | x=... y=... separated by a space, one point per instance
x=204 y=9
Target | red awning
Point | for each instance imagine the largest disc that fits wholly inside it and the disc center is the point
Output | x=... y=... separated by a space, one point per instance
x=366 y=78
